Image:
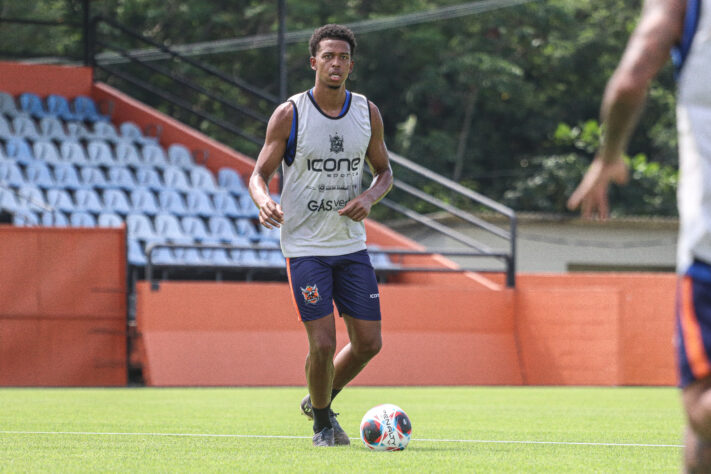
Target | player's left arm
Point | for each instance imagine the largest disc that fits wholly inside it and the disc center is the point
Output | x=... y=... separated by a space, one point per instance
x=359 y=207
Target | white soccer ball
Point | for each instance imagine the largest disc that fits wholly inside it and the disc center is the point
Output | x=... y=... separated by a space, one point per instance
x=385 y=428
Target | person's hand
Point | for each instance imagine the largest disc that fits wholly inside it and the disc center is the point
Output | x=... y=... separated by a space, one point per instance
x=270 y=214
x=591 y=193
x=356 y=209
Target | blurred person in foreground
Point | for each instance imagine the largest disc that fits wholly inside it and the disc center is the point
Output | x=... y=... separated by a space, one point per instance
x=322 y=137
x=682 y=27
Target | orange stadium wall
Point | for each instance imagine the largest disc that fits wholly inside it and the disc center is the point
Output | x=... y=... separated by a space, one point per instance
x=62 y=307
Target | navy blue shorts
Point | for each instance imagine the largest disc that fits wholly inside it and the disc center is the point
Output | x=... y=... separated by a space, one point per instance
x=348 y=280
x=694 y=324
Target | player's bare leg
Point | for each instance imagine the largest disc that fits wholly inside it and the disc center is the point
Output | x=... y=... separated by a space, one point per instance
x=319 y=375
x=697 y=403
x=365 y=343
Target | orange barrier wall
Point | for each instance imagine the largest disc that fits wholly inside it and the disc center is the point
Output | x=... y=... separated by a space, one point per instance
x=62 y=307
x=71 y=81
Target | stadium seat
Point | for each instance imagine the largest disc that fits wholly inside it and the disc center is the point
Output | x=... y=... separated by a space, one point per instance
x=194 y=227
x=8 y=105
x=32 y=104
x=11 y=174
x=31 y=198
x=93 y=177
x=46 y=151
x=85 y=108
x=139 y=226
x=149 y=178
x=128 y=155
x=231 y=180
x=100 y=154
x=51 y=128
x=115 y=201
x=54 y=219
x=216 y=257
x=106 y=131
x=129 y=131
x=88 y=200
x=58 y=105
x=8 y=202
x=172 y=202
x=222 y=229
x=154 y=155
x=109 y=219
x=247 y=208
x=202 y=178
x=272 y=258
x=175 y=178
x=198 y=203
x=179 y=155
x=120 y=177
x=167 y=227
x=25 y=218
x=5 y=129
x=66 y=176
x=81 y=219
x=73 y=152
x=23 y=126
x=248 y=258
x=19 y=149
x=225 y=204
x=143 y=201
x=78 y=131
x=245 y=228
x=39 y=174
x=269 y=236
x=136 y=255
x=60 y=200
x=187 y=256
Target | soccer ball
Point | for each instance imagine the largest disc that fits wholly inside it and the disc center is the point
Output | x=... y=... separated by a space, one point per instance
x=385 y=428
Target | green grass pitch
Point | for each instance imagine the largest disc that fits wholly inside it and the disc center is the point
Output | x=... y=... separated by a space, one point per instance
x=455 y=429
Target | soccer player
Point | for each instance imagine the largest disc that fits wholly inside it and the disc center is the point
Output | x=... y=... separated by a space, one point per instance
x=683 y=27
x=322 y=138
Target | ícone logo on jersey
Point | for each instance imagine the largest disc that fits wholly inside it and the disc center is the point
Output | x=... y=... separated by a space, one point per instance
x=310 y=294
x=336 y=143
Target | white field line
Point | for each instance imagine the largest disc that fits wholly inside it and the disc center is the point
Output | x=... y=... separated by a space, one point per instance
x=428 y=440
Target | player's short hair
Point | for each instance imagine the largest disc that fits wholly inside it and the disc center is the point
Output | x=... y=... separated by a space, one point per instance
x=332 y=31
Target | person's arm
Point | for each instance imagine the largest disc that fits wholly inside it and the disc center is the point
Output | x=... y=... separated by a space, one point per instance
x=359 y=207
x=647 y=51
x=268 y=161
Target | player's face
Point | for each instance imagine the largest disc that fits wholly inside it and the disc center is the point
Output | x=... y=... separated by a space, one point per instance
x=332 y=62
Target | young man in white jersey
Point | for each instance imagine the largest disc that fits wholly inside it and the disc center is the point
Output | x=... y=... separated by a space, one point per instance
x=322 y=138
x=684 y=28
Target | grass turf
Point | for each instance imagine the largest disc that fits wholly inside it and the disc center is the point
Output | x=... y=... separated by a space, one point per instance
x=455 y=429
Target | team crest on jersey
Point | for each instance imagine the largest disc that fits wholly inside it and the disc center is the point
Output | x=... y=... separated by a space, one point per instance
x=310 y=294
x=336 y=143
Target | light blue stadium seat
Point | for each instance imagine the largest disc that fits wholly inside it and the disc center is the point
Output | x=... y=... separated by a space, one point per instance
x=54 y=219
x=87 y=110
x=143 y=201
x=100 y=153
x=66 y=176
x=148 y=177
x=81 y=219
x=115 y=201
x=73 y=152
x=154 y=155
x=88 y=200
x=231 y=180
x=78 y=131
x=162 y=256
x=93 y=177
x=167 y=227
x=198 y=203
x=19 y=149
x=109 y=219
x=194 y=227
x=8 y=202
x=202 y=178
x=247 y=208
x=25 y=218
x=225 y=204
x=188 y=256
x=245 y=228
x=179 y=155
x=58 y=105
x=60 y=200
x=11 y=174
x=175 y=178
x=216 y=257
x=25 y=127
x=128 y=155
x=39 y=174
x=140 y=227
x=120 y=177
x=106 y=131
x=51 y=128
x=269 y=235
x=222 y=229
x=130 y=131
x=46 y=151
x=248 y=258
x=172 y=202
x=8 y=106
x=136 y=255
x=5 y=129
x=272 y=258
x=32 y=104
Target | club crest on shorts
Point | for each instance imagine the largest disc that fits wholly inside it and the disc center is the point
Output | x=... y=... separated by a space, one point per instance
x=336 y=143
x=310 y=294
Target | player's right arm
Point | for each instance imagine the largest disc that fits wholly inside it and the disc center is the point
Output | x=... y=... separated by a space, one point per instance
x=268 y=161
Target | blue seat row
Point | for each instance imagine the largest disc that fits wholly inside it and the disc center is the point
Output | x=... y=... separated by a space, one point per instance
x=80 y=108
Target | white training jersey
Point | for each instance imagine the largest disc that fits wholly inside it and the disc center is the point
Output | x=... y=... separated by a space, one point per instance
x=693 y=60
x=323 y=169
